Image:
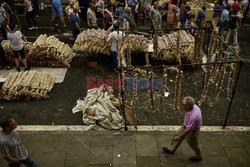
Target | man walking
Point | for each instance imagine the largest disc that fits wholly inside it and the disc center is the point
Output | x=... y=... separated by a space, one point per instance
x=190 y=130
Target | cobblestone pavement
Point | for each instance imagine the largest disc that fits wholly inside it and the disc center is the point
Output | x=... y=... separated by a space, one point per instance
x=133 y=149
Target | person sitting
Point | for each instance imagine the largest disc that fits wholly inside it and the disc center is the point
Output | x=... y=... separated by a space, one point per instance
x=17 y=46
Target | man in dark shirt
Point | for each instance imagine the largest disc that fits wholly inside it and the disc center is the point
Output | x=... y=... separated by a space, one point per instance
x=201 y=17
x=233 y=28
x=74 y=20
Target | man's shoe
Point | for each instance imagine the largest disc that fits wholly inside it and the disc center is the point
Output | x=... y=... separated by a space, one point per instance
x=18 y=69
x=8 y=67
x=195 y=159
x=27 y=69
x=167 y=150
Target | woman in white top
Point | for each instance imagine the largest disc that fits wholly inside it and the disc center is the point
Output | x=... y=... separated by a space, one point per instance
x=17 y=46
x=29 y=14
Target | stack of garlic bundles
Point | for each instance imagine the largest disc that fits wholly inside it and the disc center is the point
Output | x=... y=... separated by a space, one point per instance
x=50 y=52
x=168 y=48
x=199 y=4
x=27 y=85
x=92 y=41
x=137 y=43
x=8 y=51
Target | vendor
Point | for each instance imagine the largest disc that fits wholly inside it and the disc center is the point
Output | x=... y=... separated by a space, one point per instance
x=114 y=38
x=17 y=46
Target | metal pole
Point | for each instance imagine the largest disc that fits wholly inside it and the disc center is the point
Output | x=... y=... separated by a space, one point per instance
x=123 y=101
x=233 y=93
x=184 y=65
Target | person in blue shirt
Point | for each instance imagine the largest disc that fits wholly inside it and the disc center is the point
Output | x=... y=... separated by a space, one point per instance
x=132 y=5
x=75 y=22
x=201 y=16
x=57 y=11
x=224 y=19
x=186 y=15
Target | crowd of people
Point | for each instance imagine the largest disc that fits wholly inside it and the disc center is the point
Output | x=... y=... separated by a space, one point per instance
x=228 y=15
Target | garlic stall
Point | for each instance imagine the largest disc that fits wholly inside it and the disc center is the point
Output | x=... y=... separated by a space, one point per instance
x=46 y=51
x=27 y=85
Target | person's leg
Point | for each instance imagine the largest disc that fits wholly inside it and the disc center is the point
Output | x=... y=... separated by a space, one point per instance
x=22 y=54
x=27 y=16
x=63 y=21
x=29 y=162
x=114 y=56
x=192 y=140
x=228 y=36
x=235 y=33
x=16 y=58
x=176 y=146
x=14 y=165
x=32 y=17
x=2 y=57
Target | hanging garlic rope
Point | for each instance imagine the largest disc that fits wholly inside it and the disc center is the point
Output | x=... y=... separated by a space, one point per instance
x=177 y=95
x=150 y=91
x=164 y=85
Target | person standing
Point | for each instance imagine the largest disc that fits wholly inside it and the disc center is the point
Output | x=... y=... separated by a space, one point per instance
x=2 y=53
x=190 y=129
x=186 y=15
x=114 y=38
x=57 y=12
x=29 y=14
x=17 y=46
x=91 y=16
x=233 y=28
x=75 y=22
x=155 y=17
x=11 y=147
x=224 y=19
x=201 y=17
x=171 y=14
x=35 y=4
x=132 y=4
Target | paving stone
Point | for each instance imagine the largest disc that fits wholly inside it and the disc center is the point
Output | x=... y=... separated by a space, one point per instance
x=76 y=163
x=124 y=141
x=49 y=159
x=218 y=161
x=247 y=147
x=210 y=147
x=148 y=162
x=76 y=150
x=101 y=155
x=3 y=162
x=229 y=141
x=238 y=157
x=108 y=165
x=44 y=143
x=146 y=146
x=245 y=139
x=102 y=141
x=172 y=163
x=124 y=157
x=165 y=141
